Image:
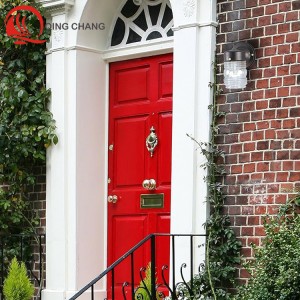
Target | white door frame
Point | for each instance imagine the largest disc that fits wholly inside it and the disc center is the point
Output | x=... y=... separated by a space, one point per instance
x=77 y=73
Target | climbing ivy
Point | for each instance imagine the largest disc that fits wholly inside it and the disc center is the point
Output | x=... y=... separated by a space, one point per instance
x=27 y=128
x=217 y=278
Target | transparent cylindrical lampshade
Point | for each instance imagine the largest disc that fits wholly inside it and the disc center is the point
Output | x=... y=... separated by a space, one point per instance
x=235 y=74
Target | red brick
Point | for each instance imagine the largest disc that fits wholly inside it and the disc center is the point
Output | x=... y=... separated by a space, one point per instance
x=264 y=62
x=282 y=176
x=271 y=30
x=251 y=3
x=289 y=80
x=270 y=51
x=262 y=145
x=235 y=210
x=256 y=156
x=258 y=94
x=288 y=123
x=249 y=146
x=275 y=124
x=269 y=177
x=260 y=210
x=271 y=9
x=275 y=166
x=287 y=102
x=259 y=231
x=271 y=72
x=296 y=47
x=292 y=16
x=295 y=69
x=278 y=18
x=256 y=115
x=236 y=148
x=236 y=169
x=257 y=176
x=277 y=60
x=295 y=90
x=295 y=26
x=247 y=210
x=282 y=71
x=275 y=82
x=245 y=34
x=282 y=134
x=270 y=134
x=257 y=135
x=250 y=23
x=284 y=28
x=269 y=114
x=258 y=32
x=287 y=165
x=262 y=167
x=273 y=209
x=284 y=49
x=288 y=144
x=283 y=92
x=240 y=220
x=295 y=154
x=258 y=11
x=262 y=125
x=262 y=84
x=280 y=199
x=249 y=168
x=244 y=157
x=264 y=21
x=285 y=6
x=275 y=103
x=270 y=93
x=249 y=126
x=253 y=240
x=254 y=220
x=245 y=136
x=247 y=231
x=292 y=37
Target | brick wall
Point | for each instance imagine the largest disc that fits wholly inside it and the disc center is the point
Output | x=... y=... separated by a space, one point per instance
x=260 y=133
x=38 y=197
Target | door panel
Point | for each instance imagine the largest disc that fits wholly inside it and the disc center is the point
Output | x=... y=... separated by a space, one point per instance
x=166 y=80
x=129 y=151
x=137 y=75
x=140 y=100
x=164 y=161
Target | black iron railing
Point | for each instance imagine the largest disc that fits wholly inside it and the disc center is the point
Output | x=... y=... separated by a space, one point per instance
x=159 y=287
x=28 y=248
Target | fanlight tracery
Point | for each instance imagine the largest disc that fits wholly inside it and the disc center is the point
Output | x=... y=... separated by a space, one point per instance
x=141 y=21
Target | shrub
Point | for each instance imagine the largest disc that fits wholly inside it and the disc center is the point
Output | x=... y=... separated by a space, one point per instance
x=144 y=289
x=17 y=285
x=275 y=269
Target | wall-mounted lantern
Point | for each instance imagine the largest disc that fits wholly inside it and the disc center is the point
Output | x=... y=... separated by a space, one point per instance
x=236 y=62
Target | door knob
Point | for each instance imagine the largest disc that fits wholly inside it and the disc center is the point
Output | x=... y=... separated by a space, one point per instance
x=112 y=199
x=149 y=184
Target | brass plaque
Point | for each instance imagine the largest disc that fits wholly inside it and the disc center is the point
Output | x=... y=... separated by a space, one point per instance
x=152 y=201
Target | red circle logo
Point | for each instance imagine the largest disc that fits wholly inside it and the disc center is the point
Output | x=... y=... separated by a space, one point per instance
x=17 y=29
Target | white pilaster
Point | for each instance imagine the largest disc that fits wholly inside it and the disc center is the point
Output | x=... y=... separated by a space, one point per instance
x=194 y=48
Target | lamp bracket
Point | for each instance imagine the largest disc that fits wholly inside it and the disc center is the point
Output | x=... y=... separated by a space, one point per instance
x=248 y=49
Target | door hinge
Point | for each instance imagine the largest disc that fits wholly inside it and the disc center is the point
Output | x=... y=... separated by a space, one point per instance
x=108 y=180
x=111 y=147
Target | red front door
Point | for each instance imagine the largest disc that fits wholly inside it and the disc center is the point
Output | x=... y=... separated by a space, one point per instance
x=140 y=104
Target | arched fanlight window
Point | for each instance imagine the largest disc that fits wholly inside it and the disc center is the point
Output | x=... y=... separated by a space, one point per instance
x=142 y=20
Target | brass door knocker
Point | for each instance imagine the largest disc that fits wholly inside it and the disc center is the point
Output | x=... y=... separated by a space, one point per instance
x=151 y=141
